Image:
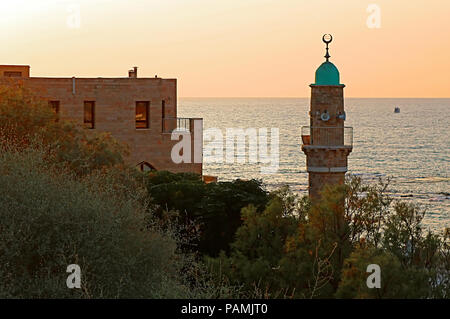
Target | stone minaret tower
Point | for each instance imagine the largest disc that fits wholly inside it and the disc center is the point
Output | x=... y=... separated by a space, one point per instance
x=326 y=141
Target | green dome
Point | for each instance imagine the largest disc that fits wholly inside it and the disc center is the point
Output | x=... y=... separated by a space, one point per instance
x=327 y=74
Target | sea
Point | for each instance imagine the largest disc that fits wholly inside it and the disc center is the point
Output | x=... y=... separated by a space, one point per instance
x=412 y=147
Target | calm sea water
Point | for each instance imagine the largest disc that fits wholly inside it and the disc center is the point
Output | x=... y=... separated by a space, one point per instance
x=412 y=147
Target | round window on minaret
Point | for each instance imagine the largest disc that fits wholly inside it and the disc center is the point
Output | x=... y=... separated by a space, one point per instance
x=325 y=116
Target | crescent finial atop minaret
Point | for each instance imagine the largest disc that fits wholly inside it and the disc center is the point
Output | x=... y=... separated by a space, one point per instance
x=327 y=38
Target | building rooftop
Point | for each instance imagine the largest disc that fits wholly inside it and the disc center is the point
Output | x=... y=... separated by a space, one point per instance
x=23 y=71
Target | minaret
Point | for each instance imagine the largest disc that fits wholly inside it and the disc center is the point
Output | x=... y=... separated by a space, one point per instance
x=326 y=141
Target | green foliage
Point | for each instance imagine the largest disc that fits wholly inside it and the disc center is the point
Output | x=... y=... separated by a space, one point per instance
x=396 y=281
x=27 y=120
x=220 y=212
x=366 y=209
x=68 y=198
x=259 y=245
x=82 y=150
x=51 y=220
x=210 y=213
x=259 y=259
x=295 y=249
x=22 y=114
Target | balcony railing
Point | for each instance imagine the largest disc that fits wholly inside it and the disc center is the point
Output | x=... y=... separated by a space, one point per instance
x=327 y=136
x=177 y=124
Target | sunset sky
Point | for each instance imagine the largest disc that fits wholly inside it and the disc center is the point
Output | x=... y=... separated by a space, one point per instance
x=236 y=48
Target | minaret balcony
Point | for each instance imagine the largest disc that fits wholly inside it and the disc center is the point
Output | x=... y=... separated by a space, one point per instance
x=327 y=137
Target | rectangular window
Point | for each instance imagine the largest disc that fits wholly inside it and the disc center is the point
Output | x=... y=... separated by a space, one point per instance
x=163 y=114
x=142 y=114
x=163 y=109
x=89 y=114
x=55 y=107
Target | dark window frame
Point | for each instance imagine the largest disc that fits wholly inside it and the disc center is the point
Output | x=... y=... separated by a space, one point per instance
x=163 y=108
x=163 y=114
x=89 y=124
x=145 y=123
x=56 y=107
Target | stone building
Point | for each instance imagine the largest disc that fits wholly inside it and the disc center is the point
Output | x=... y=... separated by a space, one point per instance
x=326 y=141
x=142 y=112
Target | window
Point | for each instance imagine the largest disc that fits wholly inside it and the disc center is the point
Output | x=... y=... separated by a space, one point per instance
x=12 y=74
x=163 y=113
x=142 y=114
x=89 y=114
x=55 y=107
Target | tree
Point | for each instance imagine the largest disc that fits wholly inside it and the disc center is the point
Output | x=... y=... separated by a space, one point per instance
x=298 y=249
x=28 y=120
x=396 y=280
x=51 y=219
x=256 y=257
x=208 y=212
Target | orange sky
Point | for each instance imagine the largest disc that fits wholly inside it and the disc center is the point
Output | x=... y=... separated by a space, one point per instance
x=236 y=48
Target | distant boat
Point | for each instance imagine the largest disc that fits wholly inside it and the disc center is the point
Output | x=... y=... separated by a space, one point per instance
x=397 y=110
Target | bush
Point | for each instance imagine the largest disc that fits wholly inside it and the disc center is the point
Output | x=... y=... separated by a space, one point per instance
x=27 y=120
x=68 y=198
x=51 y=219
x=257 y=251
x=209 y=213
x=396 y=281
x=297 y=249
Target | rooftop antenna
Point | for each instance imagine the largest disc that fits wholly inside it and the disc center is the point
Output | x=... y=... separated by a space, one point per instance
x=327 y=38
